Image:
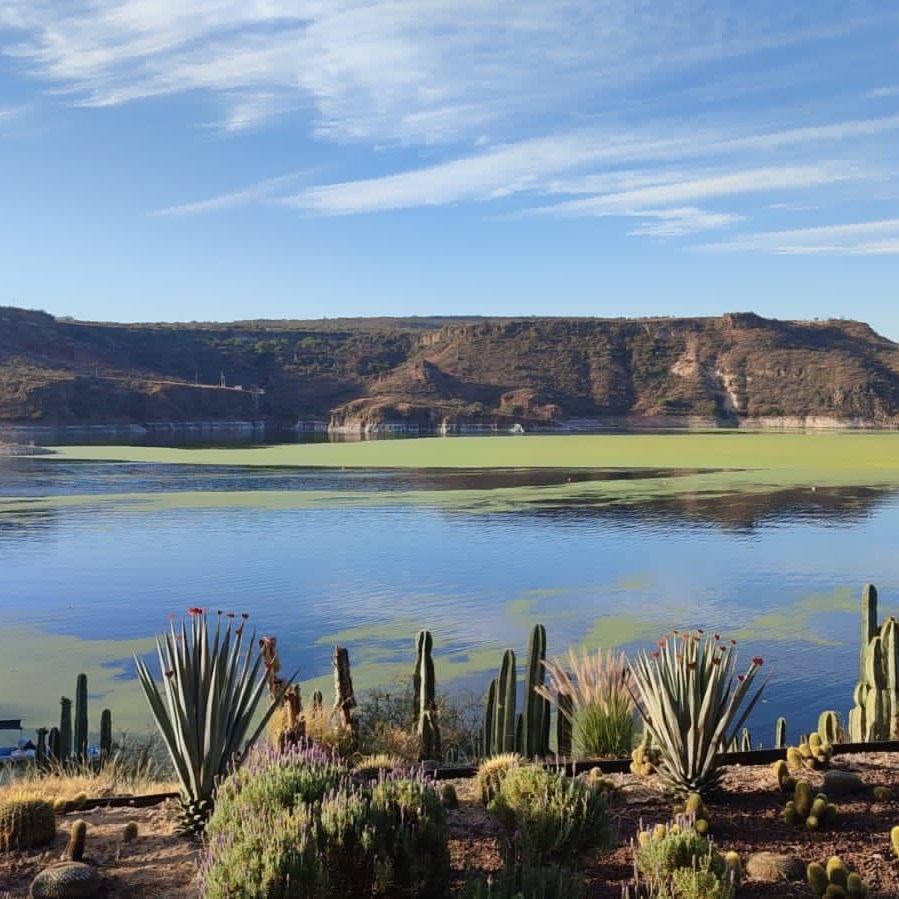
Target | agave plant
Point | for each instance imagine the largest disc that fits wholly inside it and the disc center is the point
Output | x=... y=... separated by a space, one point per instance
x=692 y=703
x=599 y=707
x=211 y=693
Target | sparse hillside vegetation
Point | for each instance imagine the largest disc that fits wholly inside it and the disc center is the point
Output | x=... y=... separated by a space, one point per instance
x=430 y=371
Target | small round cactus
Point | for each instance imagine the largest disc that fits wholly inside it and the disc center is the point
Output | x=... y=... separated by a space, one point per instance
x=75 y=847
x=129 y=832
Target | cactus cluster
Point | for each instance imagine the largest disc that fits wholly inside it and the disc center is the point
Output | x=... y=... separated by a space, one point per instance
x=424 y=698
x=834 y=880
x=876 y=697
x=644 y=758
x=25 y=823
x=694 y=809
x=813 y=811
x=526 y=732
x=812 y=754
x=68 y=742
x=882 y=794
x=675 y=860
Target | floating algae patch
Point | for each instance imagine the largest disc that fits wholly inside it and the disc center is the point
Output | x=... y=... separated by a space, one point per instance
x=872 y=453
x=801 y=621
x=38 y=668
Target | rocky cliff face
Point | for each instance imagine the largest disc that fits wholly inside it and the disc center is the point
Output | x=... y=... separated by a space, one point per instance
x=424 y=376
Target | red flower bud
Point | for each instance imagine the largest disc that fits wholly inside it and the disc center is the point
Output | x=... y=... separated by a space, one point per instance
x=758 y=660
x=194 y=610
x=741 y=677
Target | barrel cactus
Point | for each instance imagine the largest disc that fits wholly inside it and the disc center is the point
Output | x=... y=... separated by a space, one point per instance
x=66 y=880
x=25 y=823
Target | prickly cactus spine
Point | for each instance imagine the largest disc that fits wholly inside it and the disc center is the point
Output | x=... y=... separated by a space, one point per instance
x=81 y=718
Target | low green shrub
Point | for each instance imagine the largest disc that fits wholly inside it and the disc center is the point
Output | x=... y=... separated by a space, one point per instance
x=548 y=815
x=295 y=825
x=675 y=862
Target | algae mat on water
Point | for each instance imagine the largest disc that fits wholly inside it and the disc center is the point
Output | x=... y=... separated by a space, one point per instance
x=855 y=452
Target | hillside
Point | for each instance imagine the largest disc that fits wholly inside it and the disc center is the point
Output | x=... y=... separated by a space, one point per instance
x=430 y=372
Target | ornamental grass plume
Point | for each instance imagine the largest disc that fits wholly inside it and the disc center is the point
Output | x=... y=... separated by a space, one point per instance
x=693 y=703
x=592 y=693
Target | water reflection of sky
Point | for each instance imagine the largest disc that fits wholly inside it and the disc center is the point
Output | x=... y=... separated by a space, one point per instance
x=782 y=573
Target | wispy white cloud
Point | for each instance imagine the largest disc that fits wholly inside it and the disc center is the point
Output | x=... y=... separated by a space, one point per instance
x=544 y=164
x=682 y=221
x=852 y=239
x=882 y=92
x=758 y=180
x=408 y=70
x=255 y=193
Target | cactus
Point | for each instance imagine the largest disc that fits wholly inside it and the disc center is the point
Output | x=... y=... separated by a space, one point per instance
x=876 y=696
x=488 y=745
x=869 y=624
x=424 y=685
x=746 y=740
x=813 y=754
x=803 y=798
x=53 y=744
x=563 y=724
x=64 y=880
x=780 y=733
x=65 y=729
x=834 y=880
x=105 y=734
x=535 y=714
x=817 y=878
x=830 y=728
x=492 y=771
x=80 y=750
x=41 y=751
x=894 y=839
x=25 y=823
x=129 y=832
x=75 y=847
x=882 y=794
x=504 y=723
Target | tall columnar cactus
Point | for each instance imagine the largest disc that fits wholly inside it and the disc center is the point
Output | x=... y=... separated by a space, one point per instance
x=504 y=720
x=869 y=624
x=41 y=751
x=105 y=734
x=81 y=718
x=65 y=729
x=780 y=733
x=829 y=726
x=54 y=747
x=535 y=714
x=425 y=697
x=488 y=734
x=876 y=697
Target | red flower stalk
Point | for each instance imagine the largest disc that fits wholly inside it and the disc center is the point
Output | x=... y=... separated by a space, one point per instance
x=661 y=643
x=655 y=655
x=244 y=615
x=171 y=616
x=170 y=674
x=194 y=610
x=758 y=660
x=741 y=677
x=229 y=614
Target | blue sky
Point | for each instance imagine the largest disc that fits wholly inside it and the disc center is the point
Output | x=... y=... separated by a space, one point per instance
x=222 y=159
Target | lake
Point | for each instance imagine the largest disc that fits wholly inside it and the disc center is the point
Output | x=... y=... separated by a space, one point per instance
x=609 y=540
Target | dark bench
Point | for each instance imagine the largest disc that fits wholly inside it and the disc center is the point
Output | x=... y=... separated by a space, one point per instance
x=10 y=724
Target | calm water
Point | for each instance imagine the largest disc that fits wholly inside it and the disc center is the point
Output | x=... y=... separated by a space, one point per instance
x=84 y=584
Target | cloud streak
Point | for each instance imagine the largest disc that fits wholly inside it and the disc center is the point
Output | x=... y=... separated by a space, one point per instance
x=255 y=193
x=871 y=238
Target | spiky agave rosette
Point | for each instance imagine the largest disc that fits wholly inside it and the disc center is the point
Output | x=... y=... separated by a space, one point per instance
x=212 y=687
x=693 y=703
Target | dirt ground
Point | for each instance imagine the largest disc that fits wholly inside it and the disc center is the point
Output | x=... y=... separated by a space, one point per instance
x=746 y=818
